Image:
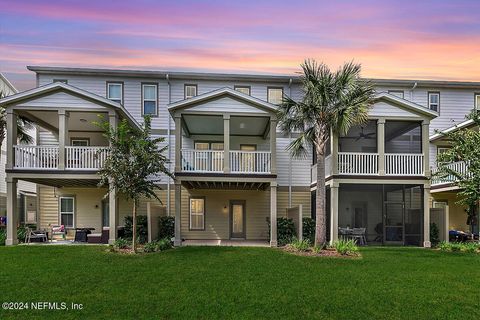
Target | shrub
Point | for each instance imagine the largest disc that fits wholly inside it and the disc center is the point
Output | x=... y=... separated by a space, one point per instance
x=150 y=247
x=285 y=230
x=121 y=243
x=470 y=247
x=21 y=233
x=309 y=229
x=300 y=245
x=164 y=244
x=166 y=227
x=445 y=246
x=434 y=234
x=142 y=228
x=3 y=236
x=346 y=247
x=316 y=249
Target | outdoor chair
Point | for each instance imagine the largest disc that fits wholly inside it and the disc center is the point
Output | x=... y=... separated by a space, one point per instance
x=58 y=230
x=345 y=233
x=359 y=234
x=35 y=234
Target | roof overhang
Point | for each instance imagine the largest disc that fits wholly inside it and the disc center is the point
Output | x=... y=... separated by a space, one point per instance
x=462 y=125
x=406 y=104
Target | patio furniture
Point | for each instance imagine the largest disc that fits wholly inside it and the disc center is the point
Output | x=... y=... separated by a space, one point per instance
x=359 y=234
x=82 y=233
x=58 y=230
x=345 y=233
x=35 y=234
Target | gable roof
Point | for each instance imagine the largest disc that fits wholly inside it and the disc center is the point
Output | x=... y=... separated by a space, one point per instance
x=461 y=125
x=63 y=87
x=8 y=83
x=223 y=92
x=409 y=105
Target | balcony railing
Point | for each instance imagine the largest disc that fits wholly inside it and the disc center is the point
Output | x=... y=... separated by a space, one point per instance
x=47 y=157
x=357 y=163
x=398 y=164
x=460 y=167
x=213 y=161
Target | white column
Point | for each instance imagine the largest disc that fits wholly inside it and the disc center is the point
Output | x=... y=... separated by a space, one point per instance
x=226 y=143
x=62 y=137
x=381 y=146
x=426 y=147
x=113 y=215
x=178 y=143
x=273 y=145
x=178 y=214
x=334 y=212
x=426 y=216
x=273 y=214
x=11 y=137
x=12 y=213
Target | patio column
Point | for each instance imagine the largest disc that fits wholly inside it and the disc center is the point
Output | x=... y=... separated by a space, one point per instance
x=273 y=145
x=426 y=147
x=273 y=214
x=12 y=212
x=11 y=137
x=62 y=137
x=334 y=212
x=178 y=143
x=112 y=215
x=178 y=214
x=334 y=142
x=426 y=217
x=381 y=146
x=226 y=143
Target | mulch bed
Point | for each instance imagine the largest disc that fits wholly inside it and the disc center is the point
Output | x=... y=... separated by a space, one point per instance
x=322 y=253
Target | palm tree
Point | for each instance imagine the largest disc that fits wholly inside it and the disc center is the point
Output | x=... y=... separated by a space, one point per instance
x=23 y=125
x=332 y=102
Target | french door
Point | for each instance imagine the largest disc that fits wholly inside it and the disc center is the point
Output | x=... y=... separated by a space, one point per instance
x=394 y=222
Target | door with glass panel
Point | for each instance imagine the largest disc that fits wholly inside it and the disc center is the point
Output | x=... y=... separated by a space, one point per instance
x=394 y=230
x=217 y=156
x=237 y=219
x=247 y=161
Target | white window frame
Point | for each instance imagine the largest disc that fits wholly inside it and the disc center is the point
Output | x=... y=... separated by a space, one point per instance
x=109 y=84
x=144 y=85
x=191 y=214
x=60 y=213
x=476 y=101
x=440 y=204
x=240 y=88
x=188 y=96
x=268 y=94
x=430 y=94
x=73 y=140
x=442 y=148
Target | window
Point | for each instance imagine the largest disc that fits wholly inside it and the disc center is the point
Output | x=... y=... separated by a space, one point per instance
x=149 y=99
x=115 y=91
x=60 y=80
x=440 y=204
x=197 y=213
x=397 y=93
x=434 y=101
x=190 y=91
x=80 y=142
x=243 y=89
x=67 y=209
x=442 y=149
x=403 y=136
x=477 y=101
x=275 y=95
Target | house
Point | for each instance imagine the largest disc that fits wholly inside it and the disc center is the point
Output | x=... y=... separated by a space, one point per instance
x=26 y=192
x=232 y=172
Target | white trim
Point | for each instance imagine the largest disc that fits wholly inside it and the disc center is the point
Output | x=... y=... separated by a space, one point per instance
x=437 y=104
x=461 y=125
x=121 y=91
x=60 y=210
x=8 y=83
x=202 y=214
x=412 y=106
x=190 y=86
x=155 y=86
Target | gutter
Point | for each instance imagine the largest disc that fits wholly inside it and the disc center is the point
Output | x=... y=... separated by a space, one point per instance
x=167 y=77
x=290 y=157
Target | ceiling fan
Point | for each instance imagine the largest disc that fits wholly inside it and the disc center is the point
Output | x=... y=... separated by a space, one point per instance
x=364 y=135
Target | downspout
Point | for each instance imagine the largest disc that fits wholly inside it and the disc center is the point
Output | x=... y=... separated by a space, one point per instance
x=167 y=77
x=411 y=90
x=290 y=157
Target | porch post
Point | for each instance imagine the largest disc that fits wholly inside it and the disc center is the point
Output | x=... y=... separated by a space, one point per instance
x=334 y=212
x=381 y=145
x=113 y=215
x=11 y=137
x=178 y=143
x=426 y=147
x=62 y=137
x=273 y=146
x=178 y=214
x=426 y=216
x=334 y=142
x=12 y=212
x=226 y=143
x=273 y=214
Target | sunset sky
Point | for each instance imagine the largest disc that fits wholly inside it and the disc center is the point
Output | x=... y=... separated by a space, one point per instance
x=392 y=39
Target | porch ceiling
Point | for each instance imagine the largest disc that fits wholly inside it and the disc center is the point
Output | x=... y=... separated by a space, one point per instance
x=78 y=121
x=59 y=183
x=213 y=125
x=224 y=185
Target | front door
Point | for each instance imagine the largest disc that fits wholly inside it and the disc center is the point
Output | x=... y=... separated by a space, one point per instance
x=105 y=213
x=237 y=219
x=394 y=230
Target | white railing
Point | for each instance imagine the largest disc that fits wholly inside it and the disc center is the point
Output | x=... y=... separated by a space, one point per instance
x=202 y=160
x=357 y=163
x=398 y=164
x=36 y=157
x=85 y=158
x=250 y=161
x=460 y=167
x=328 y=169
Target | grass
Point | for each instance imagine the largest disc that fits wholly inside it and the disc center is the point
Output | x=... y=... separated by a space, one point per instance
x=242 y=283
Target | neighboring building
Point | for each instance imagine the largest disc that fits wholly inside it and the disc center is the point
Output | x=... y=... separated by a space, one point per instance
x=232 y=170
x=26 y=193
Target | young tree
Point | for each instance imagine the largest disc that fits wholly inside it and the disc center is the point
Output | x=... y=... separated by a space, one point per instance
x=134 y=164
x=465 y=147
x=332 y=101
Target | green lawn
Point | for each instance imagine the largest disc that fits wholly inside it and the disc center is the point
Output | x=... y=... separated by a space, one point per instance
x=225 y=283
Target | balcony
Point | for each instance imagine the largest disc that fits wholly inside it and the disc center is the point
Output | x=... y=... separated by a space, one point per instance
x=213 y=161
x=460 y=167
x=47 y=157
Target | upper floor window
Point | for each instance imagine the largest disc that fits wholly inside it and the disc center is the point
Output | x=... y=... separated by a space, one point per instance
x=397 y=93
x=243 y=89
x=115 y=91
x=434 y=101
x=477 y=101
x=275 y=95
x=149 y=99
x=60 y=80
x=190 y=91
